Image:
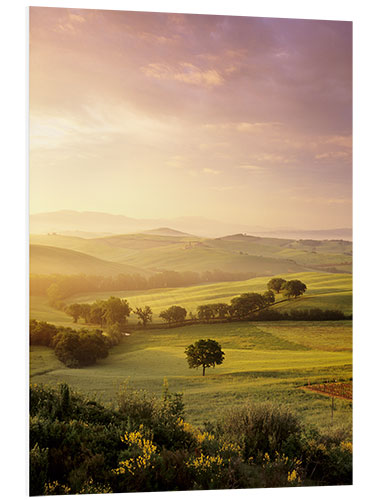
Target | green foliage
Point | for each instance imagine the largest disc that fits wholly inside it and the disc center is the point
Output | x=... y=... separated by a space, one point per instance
x=38 y=469
x=294 y=288
x=268 y=297
x=42 y=333
x=88 y=448
x=80 y=348
x=204 y=353
x=276 y=284
x=74 y=310
x=262 y=428
x=144 y=314
x=174 y=314
x=116 y=310
x=246 y=304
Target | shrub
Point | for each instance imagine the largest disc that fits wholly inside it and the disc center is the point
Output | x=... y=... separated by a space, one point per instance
x=261 y=428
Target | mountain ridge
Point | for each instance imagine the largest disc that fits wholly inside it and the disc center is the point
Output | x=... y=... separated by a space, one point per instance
x=99 y=223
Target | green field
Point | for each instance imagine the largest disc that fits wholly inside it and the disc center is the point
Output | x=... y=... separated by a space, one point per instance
x=324 y=290
x=263 y=361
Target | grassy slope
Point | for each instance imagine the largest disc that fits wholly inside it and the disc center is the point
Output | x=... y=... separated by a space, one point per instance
x=53 y=260
x=233 y=253
x=327 y=291
x=262 y=361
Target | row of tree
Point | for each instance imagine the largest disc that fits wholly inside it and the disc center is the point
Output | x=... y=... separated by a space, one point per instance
x=58 y=287
x=241 y=307
x=116 y=310
x=113 y=311
x=292 y=288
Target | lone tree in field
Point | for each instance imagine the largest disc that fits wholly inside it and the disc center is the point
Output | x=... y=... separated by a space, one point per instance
x=145 y=314
x=276 y=284
x=204 y=353
x=294 y=288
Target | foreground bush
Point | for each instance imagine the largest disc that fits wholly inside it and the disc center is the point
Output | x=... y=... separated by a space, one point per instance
x=77 y=445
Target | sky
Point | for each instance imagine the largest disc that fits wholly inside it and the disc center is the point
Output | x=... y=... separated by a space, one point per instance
x=149 y=115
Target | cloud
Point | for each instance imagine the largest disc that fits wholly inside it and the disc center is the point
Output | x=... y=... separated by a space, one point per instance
x=210 y=171
x=176 y=161
x=76 y=18
x=253 y=168
x=333 y=155
x=184 y=72
x=243 y=126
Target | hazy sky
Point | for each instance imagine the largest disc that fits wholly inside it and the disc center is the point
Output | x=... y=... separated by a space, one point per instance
x=160 y=115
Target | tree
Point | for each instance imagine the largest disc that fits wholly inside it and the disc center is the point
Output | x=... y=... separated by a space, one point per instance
x=247 y=303
x=97 y=311
x=294 y=288
x=221 y=309
x=74 y=310
x=276 y=284
x=116 y=310
x=174 y=314
x=205 y=312
x=145 y=315
x=85 y=312
x=204 y=353
x=268 y=297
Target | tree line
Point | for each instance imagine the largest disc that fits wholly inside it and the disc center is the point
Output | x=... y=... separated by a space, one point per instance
x=58 y=287
x=116 y=311
x=247 y=306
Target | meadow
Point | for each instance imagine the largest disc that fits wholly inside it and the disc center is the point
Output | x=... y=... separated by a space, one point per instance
x=263 y=361
x=324 y=290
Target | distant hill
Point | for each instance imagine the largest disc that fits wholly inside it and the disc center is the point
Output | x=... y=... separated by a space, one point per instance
x=72 y=222
x=166 y=231
x=320 y=234
x=52 y=260
x=233 y=253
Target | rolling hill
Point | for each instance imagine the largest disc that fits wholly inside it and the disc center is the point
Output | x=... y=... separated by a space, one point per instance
x=71 y=221
x=324 y=290
x=175 y=251
x=53 y=260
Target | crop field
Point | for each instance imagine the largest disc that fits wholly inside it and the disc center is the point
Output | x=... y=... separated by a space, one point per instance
x=263 y=361
x=342 y=390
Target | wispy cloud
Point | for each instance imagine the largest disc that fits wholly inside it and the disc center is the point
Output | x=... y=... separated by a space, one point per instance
x=184 y=72
x=252 y=168
x=210 y=171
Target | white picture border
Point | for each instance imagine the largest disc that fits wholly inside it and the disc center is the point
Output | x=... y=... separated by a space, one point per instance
x=14 y=230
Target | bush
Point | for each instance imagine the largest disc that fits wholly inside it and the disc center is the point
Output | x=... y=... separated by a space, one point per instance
x=262 y=428
x=79 y=446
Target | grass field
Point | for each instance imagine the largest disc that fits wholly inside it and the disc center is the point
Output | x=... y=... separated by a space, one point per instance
x=324 y=290
x=263 y=361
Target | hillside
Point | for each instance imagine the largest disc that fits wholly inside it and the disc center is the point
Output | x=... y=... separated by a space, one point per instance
x=52 y=260
x=263 y=361
x=177 y=251
x=166 y=231
x=324 y=290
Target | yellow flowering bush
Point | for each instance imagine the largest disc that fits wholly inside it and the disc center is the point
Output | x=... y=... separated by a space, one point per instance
x=206 y=470
x=346 y=446
x=143 y=450
x=281 y=470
